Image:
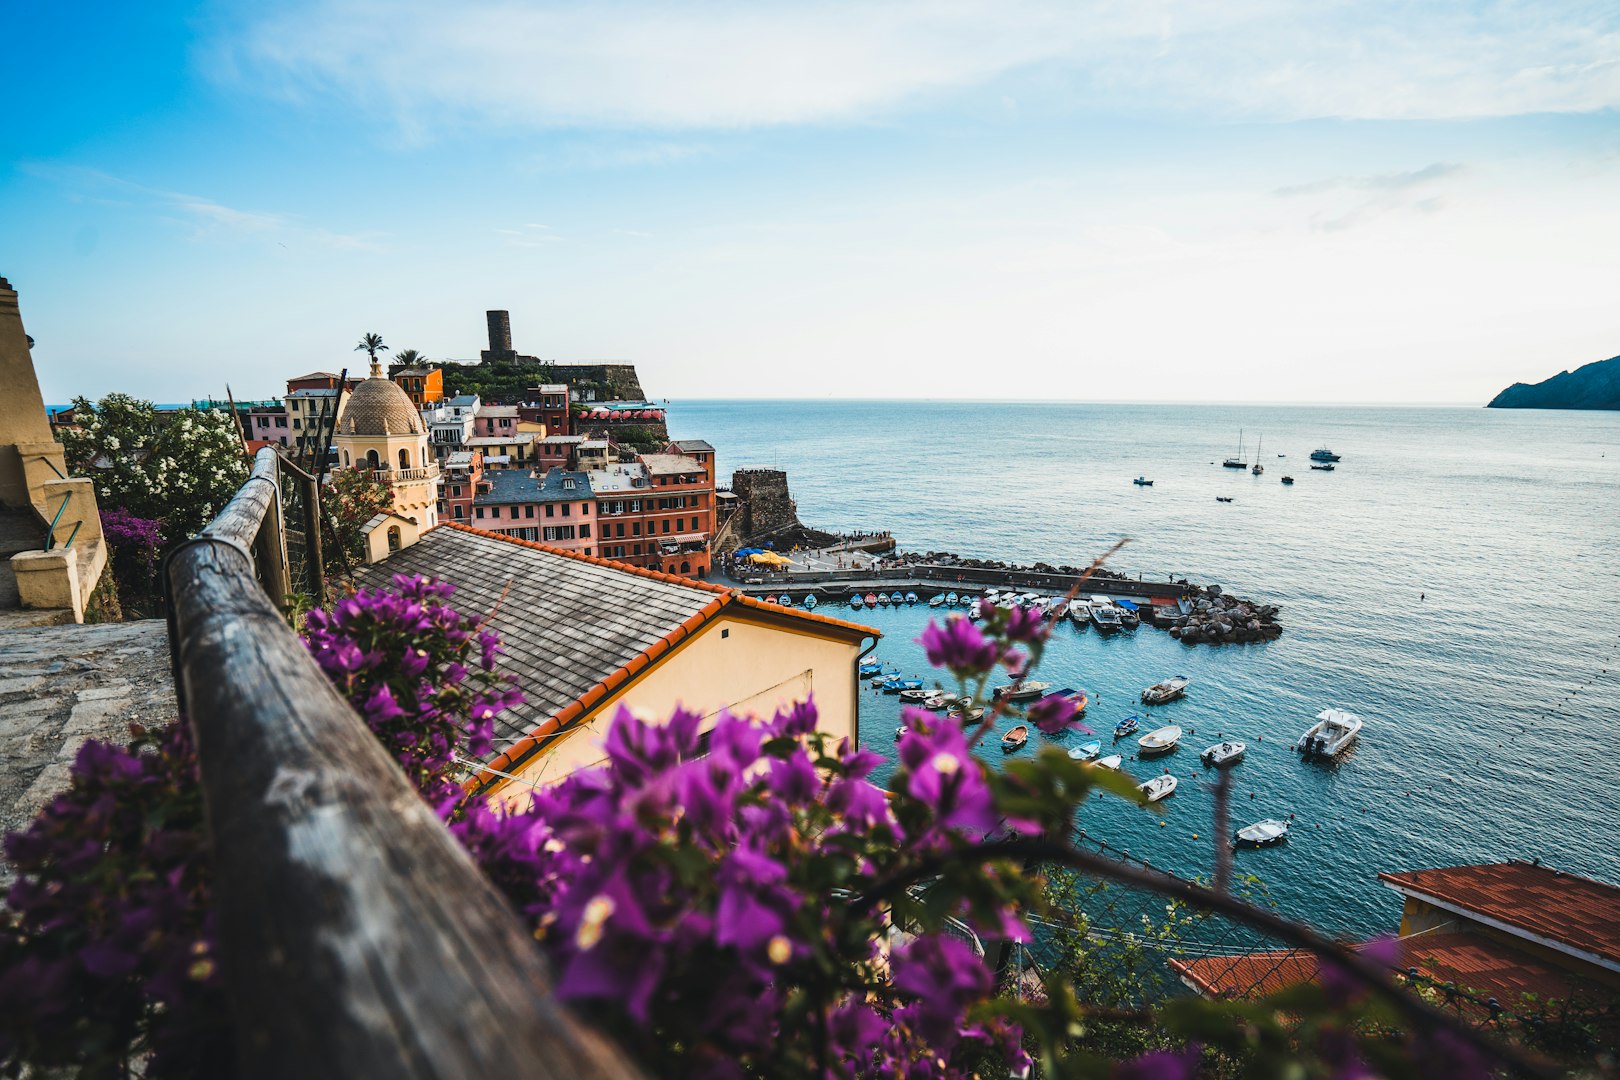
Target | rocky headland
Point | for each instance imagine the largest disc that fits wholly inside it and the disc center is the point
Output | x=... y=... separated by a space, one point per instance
x=1592 y=386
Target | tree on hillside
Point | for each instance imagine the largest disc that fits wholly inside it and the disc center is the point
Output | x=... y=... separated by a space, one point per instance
x=408 y=357
x=371 y=345
x=178 y=468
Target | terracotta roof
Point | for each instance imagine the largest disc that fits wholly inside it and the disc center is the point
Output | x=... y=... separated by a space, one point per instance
x=1483 y=966
x=379 y=407
x=1573 y=914
x=575 y=628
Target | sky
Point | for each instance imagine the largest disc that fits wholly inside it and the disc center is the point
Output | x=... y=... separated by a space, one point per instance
x=1163 y=200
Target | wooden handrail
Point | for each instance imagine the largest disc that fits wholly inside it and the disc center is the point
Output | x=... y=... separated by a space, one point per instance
x=357 y=938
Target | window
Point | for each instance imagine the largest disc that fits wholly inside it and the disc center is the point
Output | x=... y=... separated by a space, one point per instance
x=635 y=528
x=618 y=529
x=459 y=512
x=478 y=511
x=455 y=489
x=568 y=483
x=372 y=460
x=550 y=511
x=565 y=509
x=528 y=511
x=404 y=458
x=584 y=508
x=636 y=549
x=686 y=568
x=666 y=524
x=345 y=455
x=558 y=532
x=585 y=533
x=393 y=538
x=295 y=423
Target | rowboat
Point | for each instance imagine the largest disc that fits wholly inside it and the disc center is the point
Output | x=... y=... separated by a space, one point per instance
x=1159 y=787
x=914 y=697
x=937 y=601
x=810 y=602
x=856 y=601
x=1126 y=727
x=1112 y=761
x=1160 y=741
x=1015 y=739
x=871 y=600
x=1086 y=751
x=1022 y=691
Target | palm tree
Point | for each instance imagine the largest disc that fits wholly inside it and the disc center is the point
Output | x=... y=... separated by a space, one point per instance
x=371 y=344
x=409 y=357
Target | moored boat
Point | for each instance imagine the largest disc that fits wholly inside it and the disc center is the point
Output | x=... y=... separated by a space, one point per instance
x=911 y=598
x=896 y=599
x=869 y=668
x=937 y=600
x=872 y=600
x=1331 y=735
x=1126 y=726
x=1324 y=454
x=1223 y=498
x=1105 y=617
x=1022 y=691
x=1236 y=462
x=1079 y=612
x=1159 y=787
x=951 y=599
x=785 y=600
x=1323 y=468
x=1229 y=752
x=1078 y=698
x=1262 y=833
x=1142 y=481
x=855 y=601
x=1258 y=468
x=810 y=602
x=898 y=685
x=1016 y=738
x=1086 y=751
x=1058 y=609
x=1112 y=761
x=1166 y=690
x=1289 y=480
x=1128 y=618
x=1160 y=740
x=940 y=699
x=914 y=697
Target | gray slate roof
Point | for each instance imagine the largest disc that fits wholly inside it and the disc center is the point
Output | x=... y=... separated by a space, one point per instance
x=566 y=623
x=689 y=446
x=517 y=486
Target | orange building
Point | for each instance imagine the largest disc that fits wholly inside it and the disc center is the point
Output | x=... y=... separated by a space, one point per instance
x=423 y=385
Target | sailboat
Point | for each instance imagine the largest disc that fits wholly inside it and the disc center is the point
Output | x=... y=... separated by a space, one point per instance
x=1236 y=462
x=1258 y=468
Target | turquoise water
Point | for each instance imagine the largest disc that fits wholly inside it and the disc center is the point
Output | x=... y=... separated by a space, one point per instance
x=1456 y=582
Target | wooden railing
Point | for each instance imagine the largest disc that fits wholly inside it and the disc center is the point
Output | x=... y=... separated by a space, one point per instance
x=357 y=937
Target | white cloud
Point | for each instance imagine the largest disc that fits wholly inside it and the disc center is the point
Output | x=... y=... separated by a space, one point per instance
x=714 y=64
x=1342 y=202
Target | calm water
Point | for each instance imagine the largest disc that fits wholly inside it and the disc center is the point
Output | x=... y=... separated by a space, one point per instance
x=1475 y=749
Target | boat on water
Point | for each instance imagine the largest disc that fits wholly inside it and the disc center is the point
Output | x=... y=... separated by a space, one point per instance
x=884 y=676
x=1331 y=735
x=869 y=668
x=937 y=601
x=1262 y=833
x=871 y=600
x=856 y=601
x=1079 y=612
x=940 y=699
x=1223 y=498
x=914 y=697
x=911 y=598
x=1126 y=726
x=1258 y=468
x=1166 y=690
x=1160 y=740
x=785 y=600
x=1104 y=617
x=1058 y=609
x=1128 y=618
x=1229 y=752
x=1142 y=481
x=1160 y=787
x=1086 y=751
x=1323 y=468
x=1112 y=761
x=976 y=610
x=951 y=599
x=1324 y=454
x=1078 y=698
x=1288 y=480
x=1015 y=739
x=1236 y=462
x=810 y=602
x=1021 y=691
x=896 y=599
x=898 y=685
x=974 y=714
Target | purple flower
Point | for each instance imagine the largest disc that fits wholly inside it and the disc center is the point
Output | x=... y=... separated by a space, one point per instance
x=1055 y=714
x=1026 y=624
x=939 y=770
x=958 y=646
x=945 y=976
x=1161 y=1065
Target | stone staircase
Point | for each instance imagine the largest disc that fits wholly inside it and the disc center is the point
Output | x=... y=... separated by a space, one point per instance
x=21 y=530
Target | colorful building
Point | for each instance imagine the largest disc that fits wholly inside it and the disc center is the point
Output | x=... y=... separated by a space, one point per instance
x=381 y=431
x=424 y=385
x=555 y=507
x=458 y=484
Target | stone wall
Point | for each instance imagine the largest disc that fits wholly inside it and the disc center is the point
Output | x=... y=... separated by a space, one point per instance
x=767 y=506
x=608 y=382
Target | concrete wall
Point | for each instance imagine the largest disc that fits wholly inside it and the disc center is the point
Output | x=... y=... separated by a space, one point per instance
x=733 y=663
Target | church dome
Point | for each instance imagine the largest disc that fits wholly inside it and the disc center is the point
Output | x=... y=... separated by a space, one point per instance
x=379 y=407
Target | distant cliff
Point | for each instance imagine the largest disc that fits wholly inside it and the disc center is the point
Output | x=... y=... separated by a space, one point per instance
x=1595 y=386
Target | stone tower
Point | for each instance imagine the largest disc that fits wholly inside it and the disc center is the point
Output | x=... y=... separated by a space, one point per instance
x=500 y=336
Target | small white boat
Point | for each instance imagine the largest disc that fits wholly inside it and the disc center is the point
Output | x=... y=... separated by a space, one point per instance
x=1160 y=741
x=914 y=697
x=1015 y=739
x=975 y=714
x=976 y=610
x=1022 y=691
x=1086 y=751
x=1262 y=833
x=1167 y=690
x=1058 y=609
x=1104 y=617
x=1112 y=761
x=937 y=601
x=1331 y=735
x=951 y=598
x=1160 y=787
x=1223 y=753
x=1079 y=612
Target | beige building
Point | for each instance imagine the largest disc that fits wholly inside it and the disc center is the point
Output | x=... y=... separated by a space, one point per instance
x=380 y=430
x=586 y=635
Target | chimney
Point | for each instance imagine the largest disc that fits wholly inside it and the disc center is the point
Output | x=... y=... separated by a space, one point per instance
x=500 y=333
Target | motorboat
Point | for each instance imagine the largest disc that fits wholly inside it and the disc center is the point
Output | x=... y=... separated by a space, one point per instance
x=911 y=598
x=937 y=601
x=869 y=668
x=898 y=685
x=1324 y=454
x=1167 y=690
x=1104 y=617
x=1079 y=612
x=1159 y=787
x=1323 y=468
x=1331 y=735
x=1022 y=691
x=1126 y=726
x=1112 y=761
x=914 y=697
x=976 y=610
x=1289 y=480
x=1015 y=739
x=1142 y=481
x=1086 y=751
x=1160 y=740
x=1223 y=753
x=1128 y=618
x=1058 y=609
x=896 y=599
x=1223 y=498
x=1262 y=833
x=810 y=602
x=883 y=675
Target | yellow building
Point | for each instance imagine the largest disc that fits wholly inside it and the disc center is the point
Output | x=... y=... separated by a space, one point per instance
x=379 y=429
x=586 y=635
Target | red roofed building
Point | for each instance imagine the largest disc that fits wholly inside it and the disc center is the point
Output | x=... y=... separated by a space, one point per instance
x=1497 y=931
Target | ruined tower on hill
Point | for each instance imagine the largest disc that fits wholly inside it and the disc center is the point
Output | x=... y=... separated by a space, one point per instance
x=504 y=374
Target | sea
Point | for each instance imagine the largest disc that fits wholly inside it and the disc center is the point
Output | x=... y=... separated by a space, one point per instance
x=1455 y=582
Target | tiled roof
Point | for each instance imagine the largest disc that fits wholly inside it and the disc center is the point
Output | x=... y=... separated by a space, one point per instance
x=1484 y=966
x=1575 y=914
x=518 y=486
x=314 y=375
x=693 y=446
x=575 y=628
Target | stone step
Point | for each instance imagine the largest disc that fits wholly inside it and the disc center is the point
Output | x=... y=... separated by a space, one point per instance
x=20 y=530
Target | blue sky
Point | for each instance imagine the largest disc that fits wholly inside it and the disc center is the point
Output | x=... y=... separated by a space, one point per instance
x=1251 y=201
